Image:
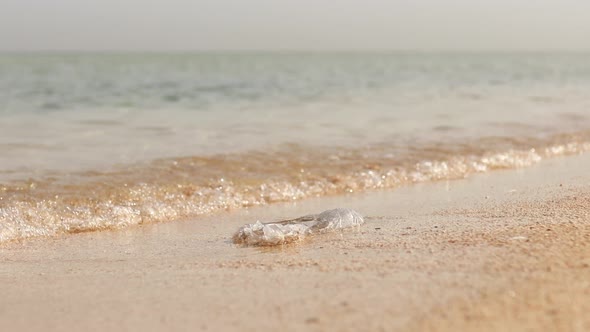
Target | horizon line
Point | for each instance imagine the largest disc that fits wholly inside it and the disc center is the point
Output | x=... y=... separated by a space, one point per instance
x=300 y=51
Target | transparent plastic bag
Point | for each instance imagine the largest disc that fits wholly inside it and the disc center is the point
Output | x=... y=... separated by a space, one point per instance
x=285 y=231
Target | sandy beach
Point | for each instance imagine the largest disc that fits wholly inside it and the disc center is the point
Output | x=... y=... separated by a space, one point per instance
x=507 y=250
x=295 y=166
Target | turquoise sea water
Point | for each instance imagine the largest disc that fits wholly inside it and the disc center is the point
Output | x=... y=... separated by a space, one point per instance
x=245 y=129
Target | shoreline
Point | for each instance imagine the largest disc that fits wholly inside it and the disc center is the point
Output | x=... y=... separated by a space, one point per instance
x=188 y=187
x=438 y=256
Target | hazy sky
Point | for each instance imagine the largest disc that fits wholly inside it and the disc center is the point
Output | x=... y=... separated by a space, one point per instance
x=161 y=25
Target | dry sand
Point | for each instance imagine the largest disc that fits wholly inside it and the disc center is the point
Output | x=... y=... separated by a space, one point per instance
x=503 y=251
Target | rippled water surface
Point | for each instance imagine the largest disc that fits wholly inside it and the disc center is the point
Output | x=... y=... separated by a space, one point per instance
x=91 y=142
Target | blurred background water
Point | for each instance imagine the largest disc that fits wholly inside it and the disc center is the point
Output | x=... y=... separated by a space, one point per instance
x=85 y=111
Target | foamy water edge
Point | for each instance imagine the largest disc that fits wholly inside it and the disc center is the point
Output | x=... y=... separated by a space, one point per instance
x=26 y=214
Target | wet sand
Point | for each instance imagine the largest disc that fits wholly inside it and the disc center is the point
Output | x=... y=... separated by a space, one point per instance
x=509 y=250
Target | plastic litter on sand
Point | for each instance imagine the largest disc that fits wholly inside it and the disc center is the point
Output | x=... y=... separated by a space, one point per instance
x=286 y=231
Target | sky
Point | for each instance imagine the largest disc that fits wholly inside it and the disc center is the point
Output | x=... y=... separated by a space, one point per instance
x=306 y=25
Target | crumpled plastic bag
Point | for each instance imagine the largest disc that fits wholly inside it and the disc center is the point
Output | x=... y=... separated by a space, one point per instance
x=285 y=231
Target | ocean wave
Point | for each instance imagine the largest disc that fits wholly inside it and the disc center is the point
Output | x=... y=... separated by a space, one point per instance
x=175 y=188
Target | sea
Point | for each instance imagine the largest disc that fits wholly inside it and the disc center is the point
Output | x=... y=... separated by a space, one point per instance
x=101 y=141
